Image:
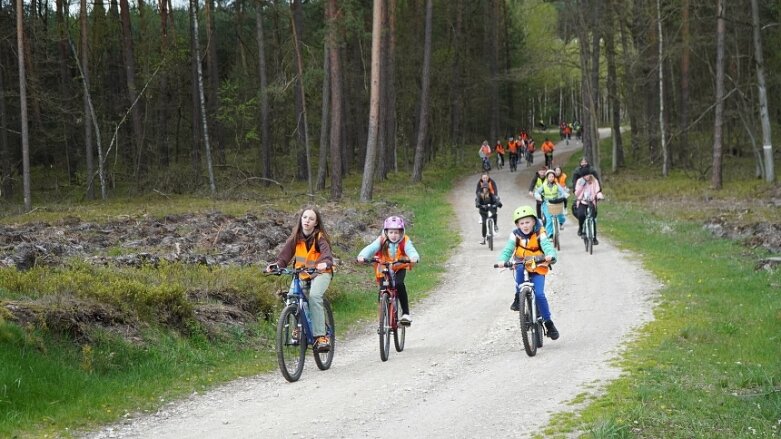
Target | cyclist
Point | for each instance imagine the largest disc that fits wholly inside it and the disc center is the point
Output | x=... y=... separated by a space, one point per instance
x=309 y=246
x=537 y=181
x=551 y=192
x=562 y=126
x=547 y=149
x=485 y=202
x=512 y=149
x=581 y=170
x=499 y=148
x=561 y=179
x=392 y=245
x=486 y=180
x=485 y=154
x=529 y=239
x=587 y=189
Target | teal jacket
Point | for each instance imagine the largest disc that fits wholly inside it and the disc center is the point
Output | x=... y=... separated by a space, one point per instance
x=545 y=244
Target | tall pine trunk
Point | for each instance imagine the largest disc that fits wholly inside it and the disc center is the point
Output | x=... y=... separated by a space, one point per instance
x=420 y=145
x=85 y=73
x=132 y=93
x=767 y=141
x=367 y=183
x=265 y=130
x=716 y=177
x=303 y=125
x=201 y=98
x=332 y=20
x=28 y=204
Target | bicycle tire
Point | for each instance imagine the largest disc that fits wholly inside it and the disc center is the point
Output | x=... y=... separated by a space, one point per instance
x=528 y=325
x=556 y=229
x=383 y=329
x=489 y=233
x=291 y=343
x=590 y=234
x=400 y=334
x=323 y=359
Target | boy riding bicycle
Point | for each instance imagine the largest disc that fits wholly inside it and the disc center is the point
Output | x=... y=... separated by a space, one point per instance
x=530 y=239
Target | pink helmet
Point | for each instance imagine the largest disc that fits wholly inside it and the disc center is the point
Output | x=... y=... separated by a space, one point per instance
x=393 y=222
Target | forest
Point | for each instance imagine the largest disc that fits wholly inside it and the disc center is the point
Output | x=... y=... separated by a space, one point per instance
x=99 y=99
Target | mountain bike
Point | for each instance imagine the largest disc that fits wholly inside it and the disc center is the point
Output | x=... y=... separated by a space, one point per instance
x=532 y=327
x=588 y=227
x=490 y=223
x=486 y=164
x=499 y=161
x=294 y=328
x=389 y=314
x=555 y=209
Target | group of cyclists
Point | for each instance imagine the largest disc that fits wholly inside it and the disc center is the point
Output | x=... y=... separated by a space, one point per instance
x=567 y=129
x=522 y=147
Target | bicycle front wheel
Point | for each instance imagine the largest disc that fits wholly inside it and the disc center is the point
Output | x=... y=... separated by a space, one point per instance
x=401 y=330
x=291 y=343
x=556 y=229
x=528 y=324
x=384 y=329
x=590 y=236
x=324 y=359
x=489 y=234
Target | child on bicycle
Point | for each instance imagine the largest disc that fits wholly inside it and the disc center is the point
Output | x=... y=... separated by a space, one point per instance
x=487 y=202
x=587 y=190
x=309 y=246
x=499 y=149
x=530 y=239
x=485 y=155
x=551 y=192
x=537 y=180
x=393 y=245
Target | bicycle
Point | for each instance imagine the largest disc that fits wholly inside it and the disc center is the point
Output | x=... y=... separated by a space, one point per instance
x=389 y=309
x=294 y=328
x=588 y=227
x=529 y=158
x=532 y=328
x=499 y=161
x=555 y=209
x=489 y=224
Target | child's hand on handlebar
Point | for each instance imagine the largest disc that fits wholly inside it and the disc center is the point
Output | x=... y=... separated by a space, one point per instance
x=271 y=267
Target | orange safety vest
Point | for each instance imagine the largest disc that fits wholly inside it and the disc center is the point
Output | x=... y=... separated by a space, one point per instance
x=547 y=147
x=562 y=180
x=513 y=147
x=486 y=150
x=530 y=247
x=307 y=257
x=385 y=257
x=499 y=148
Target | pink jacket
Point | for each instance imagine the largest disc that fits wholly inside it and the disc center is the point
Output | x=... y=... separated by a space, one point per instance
x=586 y=191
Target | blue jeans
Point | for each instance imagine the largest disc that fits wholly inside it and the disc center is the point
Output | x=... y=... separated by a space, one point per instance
x=539 y=290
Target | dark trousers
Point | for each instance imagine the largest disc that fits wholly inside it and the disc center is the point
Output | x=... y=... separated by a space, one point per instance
x=484 y=215
x=580 y=212
x=401 y=291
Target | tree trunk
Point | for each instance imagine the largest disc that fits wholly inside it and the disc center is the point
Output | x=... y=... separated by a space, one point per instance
x=213 y=73
x=28 y=205
x=767 y=141
x=662 y=134
x=322 y=165
x=202 y=99
x=64 y=82
x=683 y=146
x=5 y=150
x=374 y=104
x=132 y=93
x=265 y=131
x=612 y=89
x=332 y=20
x=456 y=89
x=162 y=137
x=417 y=170
x=297 y=22
x=88 y=154
x=716 y=180
x=303 y=125
x=491 y=51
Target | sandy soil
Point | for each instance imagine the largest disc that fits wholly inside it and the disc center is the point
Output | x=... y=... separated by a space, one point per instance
x=464 y=372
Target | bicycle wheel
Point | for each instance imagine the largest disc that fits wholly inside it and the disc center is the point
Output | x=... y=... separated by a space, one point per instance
x=556 y=229
x=400 y=333
x=590 y=234
x=384 y=327
x=489 y=233
x=291 y=343
x=324 y=359
x=528 y=325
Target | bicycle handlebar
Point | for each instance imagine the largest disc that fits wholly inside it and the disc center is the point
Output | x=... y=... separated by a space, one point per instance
x=377 y=260
x=512 y=264
x=276 y=271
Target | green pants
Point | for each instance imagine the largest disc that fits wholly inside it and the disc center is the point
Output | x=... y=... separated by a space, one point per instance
x=316 y=312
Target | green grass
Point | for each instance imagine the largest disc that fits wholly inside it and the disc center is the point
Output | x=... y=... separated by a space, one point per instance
x=709 y=364
x=51 y=385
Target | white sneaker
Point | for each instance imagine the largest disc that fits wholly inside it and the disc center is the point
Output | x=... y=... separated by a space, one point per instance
x=405 y=319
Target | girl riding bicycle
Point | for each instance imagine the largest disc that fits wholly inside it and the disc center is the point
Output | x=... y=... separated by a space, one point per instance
x=393 y=245
x=530 y=239
x=309 y=246
x=551 y=192
x=485 y=202
x=587 y=190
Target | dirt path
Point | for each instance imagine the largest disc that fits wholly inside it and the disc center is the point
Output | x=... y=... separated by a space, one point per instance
x=463 y=373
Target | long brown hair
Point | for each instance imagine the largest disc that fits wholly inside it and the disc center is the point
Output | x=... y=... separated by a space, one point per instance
x=298 y=232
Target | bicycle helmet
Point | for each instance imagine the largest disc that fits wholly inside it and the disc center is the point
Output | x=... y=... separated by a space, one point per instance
x=393 y=222
x=523 y=212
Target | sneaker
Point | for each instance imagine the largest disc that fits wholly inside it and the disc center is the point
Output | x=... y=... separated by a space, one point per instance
x=482 y=242
x=580 y=232
x=596 y=241
x=516 y=306
x=553 y=333
x=322 y=344
x=405 y=320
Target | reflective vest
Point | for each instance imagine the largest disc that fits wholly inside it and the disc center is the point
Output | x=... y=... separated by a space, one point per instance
x=307 y=257
x=499 y=148
x=513 y=147
x=486 y=150
x=384 y=254
x=550 y=191
x=530 y=247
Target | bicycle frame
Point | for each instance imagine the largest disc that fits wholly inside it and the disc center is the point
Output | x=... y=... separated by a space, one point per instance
x=295 y=295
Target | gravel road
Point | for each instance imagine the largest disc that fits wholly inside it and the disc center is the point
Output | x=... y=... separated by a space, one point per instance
x=463 y=373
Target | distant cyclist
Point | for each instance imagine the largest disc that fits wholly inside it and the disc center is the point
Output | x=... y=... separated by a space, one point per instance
x=499 y=149
x=587 y=190
x=547 y=149
x=485 y=155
